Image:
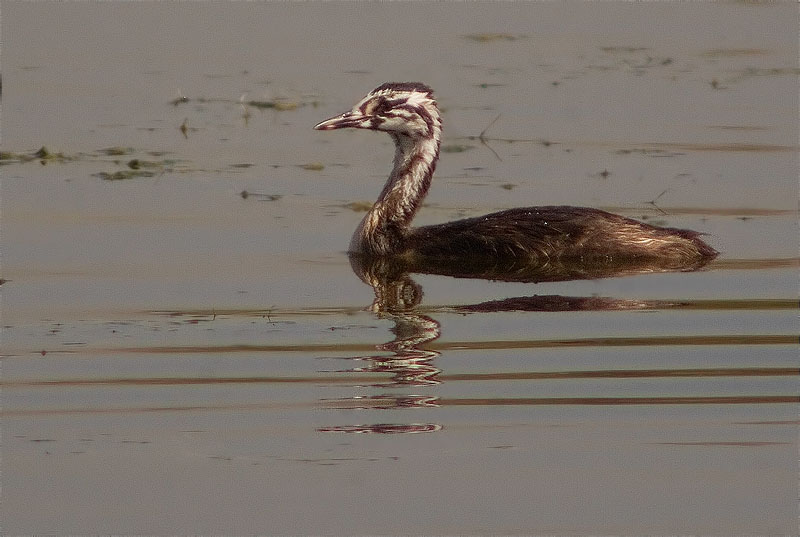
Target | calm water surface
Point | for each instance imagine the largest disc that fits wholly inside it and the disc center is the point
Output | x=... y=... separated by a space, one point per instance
x=186 y=348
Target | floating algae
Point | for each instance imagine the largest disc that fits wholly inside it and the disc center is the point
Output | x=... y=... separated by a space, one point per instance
x=43 y=155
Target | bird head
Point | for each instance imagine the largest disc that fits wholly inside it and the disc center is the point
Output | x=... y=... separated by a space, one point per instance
x=399 y=108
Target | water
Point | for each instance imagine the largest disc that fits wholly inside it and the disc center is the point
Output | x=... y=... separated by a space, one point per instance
x=180 y=357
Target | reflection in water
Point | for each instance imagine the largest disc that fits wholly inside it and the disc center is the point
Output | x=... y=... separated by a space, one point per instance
x=395 y=300
x=409 y=365
x=397 y=297
x=373 y=269
x=384 y=428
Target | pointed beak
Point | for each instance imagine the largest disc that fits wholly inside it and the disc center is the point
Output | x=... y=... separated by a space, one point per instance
x=342 y=121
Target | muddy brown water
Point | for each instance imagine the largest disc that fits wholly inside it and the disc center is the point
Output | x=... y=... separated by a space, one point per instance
x=186 y=349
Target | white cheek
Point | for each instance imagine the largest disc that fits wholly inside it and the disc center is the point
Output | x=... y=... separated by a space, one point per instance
x=395 y=124
x=417 y=99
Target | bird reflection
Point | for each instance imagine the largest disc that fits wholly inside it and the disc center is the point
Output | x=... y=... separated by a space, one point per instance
x=397 y=298
x=384 y=269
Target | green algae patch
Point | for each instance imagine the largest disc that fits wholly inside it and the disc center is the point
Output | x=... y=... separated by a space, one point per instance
x=313 y=166
x=130 y=168
x=9 y=157
x=42 y=154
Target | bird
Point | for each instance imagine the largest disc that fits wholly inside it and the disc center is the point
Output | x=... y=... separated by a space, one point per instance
x=409 y=113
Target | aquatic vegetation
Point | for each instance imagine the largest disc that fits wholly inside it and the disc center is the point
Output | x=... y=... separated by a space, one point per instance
x=132 y=168
x=43 y=155
x=137 y=168
x=313 y=166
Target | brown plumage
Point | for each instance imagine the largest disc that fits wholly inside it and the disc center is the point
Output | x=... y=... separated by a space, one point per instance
x=533 y=236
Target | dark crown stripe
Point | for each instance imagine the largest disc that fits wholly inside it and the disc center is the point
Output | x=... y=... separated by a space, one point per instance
x=405 y=86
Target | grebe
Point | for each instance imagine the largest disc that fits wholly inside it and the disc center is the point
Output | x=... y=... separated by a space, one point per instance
x=408 y=112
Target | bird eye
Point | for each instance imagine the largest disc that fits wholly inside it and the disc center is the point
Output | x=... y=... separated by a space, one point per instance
x=381 y=105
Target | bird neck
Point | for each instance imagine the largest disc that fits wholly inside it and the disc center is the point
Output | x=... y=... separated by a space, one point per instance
x=386 y=224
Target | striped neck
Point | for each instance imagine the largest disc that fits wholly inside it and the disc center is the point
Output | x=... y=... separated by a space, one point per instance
x=384 y=228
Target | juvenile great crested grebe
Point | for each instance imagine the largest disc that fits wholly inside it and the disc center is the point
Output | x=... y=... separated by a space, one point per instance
x=409 y=113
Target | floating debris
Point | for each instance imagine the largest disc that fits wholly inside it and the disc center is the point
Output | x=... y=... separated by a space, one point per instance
x=313 y=166
x=277 y=105
x=116 y=151
x=9 y=157
x=136 y=164
x=123 y=175
x=136 y=167
x=180 y=99
x=261 y=197
x=43 y=155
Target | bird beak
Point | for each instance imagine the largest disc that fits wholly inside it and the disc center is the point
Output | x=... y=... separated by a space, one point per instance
x=342 y=121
